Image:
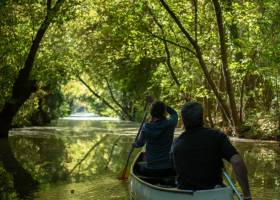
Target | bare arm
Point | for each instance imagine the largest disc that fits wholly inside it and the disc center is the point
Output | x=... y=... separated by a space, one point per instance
x=240 y=171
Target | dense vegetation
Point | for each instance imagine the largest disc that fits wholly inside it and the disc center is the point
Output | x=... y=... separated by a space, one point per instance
x=57 y=56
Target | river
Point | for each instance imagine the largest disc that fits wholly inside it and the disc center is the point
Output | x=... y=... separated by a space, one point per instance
x=81 y=156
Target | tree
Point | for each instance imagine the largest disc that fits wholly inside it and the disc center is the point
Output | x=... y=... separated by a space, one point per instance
x=23 y=87
x=202 y=63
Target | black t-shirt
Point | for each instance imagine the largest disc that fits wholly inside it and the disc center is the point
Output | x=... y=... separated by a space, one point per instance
x=198 y=158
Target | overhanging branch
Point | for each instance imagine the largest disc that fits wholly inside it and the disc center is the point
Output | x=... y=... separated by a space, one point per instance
x=171 y=42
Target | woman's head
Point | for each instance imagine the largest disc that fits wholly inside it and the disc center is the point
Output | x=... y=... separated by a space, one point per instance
x=158 y=110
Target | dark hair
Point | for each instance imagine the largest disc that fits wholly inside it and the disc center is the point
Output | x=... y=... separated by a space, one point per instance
x=192 y=115
x=158 y=110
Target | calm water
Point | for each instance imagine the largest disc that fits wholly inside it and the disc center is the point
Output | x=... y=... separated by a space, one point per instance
x=80 y=157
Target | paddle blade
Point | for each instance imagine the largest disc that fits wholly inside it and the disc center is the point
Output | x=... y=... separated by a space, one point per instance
x=124 y=174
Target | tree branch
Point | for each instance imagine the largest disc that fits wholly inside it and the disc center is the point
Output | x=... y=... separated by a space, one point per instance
x=195 y=18
x=116 y=102
x=98 y=96
x=49 y=4
x=168 y=60
x=200 y=58
x=171 y=42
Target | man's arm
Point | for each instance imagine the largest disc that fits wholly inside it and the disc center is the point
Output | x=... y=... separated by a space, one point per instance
x=240 y=171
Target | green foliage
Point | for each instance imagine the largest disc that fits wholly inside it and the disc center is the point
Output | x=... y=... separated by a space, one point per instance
x=7 y=191
x=263 y=125
x=115 y=47
x=41 y=108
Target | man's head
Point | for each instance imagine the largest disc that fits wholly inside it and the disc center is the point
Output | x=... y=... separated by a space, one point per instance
x=192 y=115
x=158 y=110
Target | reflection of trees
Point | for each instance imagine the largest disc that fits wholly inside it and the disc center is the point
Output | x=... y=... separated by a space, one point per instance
x=262 y=161
x=7 y=190
x=43 y=156
x=112 y=151
x=108 y=158
x=96 y=161
x=22 y=179
x=50 y=157
x=110 y=155
x=86 y=155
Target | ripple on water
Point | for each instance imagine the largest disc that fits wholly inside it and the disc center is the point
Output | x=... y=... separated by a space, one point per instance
x=102 y=188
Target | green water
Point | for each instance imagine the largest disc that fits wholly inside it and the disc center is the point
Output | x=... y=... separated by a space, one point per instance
x=81 y=157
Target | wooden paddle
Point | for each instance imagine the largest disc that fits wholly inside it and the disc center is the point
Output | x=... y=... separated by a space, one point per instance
x=125 y=172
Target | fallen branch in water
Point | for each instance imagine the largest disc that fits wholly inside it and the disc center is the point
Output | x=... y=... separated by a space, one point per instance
x=112 y=151
x=85 y=156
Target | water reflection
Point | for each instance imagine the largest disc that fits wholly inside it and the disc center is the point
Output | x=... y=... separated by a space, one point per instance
x=263 y=160
x=15 y=179
x=80 y=159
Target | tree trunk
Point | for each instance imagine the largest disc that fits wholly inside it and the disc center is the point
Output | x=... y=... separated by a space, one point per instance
x=238 y=56
x=242 y=90
x=278 y=105
x=23 y=86
x=207 y=112
x=226 y=72
x=233 y=30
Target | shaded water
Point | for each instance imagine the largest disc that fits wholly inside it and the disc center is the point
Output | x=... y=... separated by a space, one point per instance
x=80 y=157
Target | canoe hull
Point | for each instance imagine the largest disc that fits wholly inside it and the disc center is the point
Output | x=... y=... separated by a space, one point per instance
x=141 y=189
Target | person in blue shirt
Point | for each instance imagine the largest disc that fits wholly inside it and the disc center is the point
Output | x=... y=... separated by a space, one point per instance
x=157 y=135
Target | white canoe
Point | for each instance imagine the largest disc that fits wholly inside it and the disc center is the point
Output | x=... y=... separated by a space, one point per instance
x=143 y=189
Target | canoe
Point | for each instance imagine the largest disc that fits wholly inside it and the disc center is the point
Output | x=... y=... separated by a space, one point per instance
x=163 y=188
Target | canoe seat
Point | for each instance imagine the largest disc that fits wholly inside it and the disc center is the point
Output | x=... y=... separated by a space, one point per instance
x=168 y=181
x=164 y=178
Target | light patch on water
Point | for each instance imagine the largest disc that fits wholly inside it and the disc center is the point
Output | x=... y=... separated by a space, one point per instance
x=235 y=139
x=84 y=114
x=31 y=134
x=89 y=117
x=75 y=132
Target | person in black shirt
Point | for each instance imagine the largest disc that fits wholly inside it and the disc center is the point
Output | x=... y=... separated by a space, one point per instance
x=198 y=154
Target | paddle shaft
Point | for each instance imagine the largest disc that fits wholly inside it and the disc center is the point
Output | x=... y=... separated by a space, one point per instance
x=138 y=133
x=232 y=186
